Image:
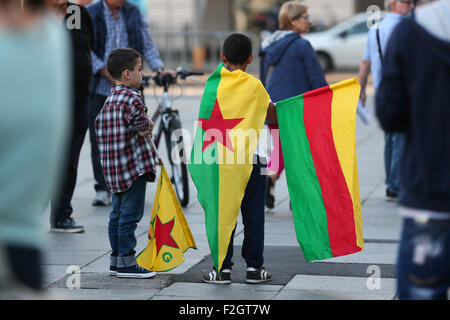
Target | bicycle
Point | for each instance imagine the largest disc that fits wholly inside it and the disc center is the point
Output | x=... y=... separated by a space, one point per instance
x=170 y=126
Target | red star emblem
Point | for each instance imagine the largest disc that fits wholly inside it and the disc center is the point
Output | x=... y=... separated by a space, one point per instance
x=162 y=234
x=217 y=122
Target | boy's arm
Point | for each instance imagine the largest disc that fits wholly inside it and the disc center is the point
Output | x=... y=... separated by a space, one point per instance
x=138 y=118
x=272 y=113
x=147 y=131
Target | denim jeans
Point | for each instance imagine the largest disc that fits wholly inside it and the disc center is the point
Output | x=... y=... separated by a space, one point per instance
x=393 y=150
x=423 y=266
x=128 y=209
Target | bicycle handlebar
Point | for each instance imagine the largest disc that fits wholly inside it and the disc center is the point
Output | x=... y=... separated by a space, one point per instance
x=167 y=80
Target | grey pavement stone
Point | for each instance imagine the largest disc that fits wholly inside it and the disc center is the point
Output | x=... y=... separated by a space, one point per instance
x=102 y=294
x=206 y=291
x=336 y=288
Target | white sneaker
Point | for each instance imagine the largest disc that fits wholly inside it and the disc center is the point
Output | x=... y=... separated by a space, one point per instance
x=103 y=198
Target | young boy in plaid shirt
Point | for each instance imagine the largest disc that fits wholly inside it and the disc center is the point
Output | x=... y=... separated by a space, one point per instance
x=126 y=158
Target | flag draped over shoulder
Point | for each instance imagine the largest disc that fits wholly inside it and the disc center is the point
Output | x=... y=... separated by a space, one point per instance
x=317 y=131
x=169 y=235
x=232 y=112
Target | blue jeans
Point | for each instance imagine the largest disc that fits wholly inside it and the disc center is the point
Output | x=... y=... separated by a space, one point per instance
x=128 y=209
x=393 y=150
x=423 y=266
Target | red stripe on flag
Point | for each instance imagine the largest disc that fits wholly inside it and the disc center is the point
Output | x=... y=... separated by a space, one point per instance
x=335 y=194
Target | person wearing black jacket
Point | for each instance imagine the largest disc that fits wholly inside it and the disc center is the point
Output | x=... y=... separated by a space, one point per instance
x=79 y=25
x=413 y=97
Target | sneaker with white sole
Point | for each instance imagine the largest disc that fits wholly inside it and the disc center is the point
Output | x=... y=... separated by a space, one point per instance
x=224 y=277
x=257 y=275
x=103 y=198
x=135 y=271
x=67 y=225
x=112 y=270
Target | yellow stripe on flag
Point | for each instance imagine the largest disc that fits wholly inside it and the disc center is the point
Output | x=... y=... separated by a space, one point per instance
x=169 y=233
x=343 y=117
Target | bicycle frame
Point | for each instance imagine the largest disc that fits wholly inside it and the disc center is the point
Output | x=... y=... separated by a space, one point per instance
x=170 y=123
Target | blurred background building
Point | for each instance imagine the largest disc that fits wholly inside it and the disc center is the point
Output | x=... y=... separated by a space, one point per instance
x=190 y=32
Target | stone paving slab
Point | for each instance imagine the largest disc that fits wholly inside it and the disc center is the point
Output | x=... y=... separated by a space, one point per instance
x=206 y=291
x=337 y=288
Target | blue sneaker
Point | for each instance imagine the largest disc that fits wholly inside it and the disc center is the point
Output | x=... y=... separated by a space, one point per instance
x=135 y=271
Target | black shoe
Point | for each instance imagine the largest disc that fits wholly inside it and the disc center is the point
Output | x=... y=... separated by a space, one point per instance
x=136 y=272
x=214 y=277
x=257 y=275
x=391 y=195
x=270 y=198
x=112 y=270
x=67 y=225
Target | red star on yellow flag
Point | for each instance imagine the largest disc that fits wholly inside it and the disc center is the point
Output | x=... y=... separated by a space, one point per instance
x=162 y=234
x=217 y=122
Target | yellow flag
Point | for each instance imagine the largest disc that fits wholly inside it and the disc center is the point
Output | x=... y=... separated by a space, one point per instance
x=169 y=235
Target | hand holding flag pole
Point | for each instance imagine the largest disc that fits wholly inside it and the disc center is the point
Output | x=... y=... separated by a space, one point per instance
x=152 y=144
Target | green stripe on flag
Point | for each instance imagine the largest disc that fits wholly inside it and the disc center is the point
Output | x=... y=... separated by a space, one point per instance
x=310 y=218
x=204 y=167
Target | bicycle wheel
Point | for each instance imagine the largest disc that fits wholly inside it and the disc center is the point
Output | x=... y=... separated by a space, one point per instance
x=177 y=158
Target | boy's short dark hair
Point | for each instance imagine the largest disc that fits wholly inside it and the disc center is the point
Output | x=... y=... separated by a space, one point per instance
x=237 y=47
x=120 y=60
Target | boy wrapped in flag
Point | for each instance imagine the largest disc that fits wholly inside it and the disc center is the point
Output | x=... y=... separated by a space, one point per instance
x=227 y=163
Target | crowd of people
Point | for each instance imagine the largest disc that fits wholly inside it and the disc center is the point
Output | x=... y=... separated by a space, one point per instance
x=408 y=55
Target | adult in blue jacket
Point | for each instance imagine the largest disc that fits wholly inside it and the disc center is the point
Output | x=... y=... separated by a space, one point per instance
x=289 y=67
x=414 y=96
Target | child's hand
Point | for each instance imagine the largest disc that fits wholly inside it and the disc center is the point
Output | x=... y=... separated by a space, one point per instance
x=272 y=113
x=148 y=131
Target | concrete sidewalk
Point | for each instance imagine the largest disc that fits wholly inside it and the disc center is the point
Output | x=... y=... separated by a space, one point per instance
x=369 y=274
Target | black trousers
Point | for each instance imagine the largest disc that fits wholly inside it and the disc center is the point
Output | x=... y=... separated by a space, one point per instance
x=252 y=209
x=26 y=265
x=61 y=207
x=95 y=105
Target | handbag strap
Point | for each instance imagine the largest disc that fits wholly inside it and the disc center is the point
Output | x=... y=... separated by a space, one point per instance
x=380 y=52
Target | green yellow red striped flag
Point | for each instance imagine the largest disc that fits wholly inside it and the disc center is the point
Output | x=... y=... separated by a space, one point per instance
x=232 y=112
x=317 y=131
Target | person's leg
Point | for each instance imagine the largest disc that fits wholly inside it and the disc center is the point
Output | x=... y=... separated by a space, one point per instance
x=388 y=160
x=61 y=207
x=398 y=143
x=131 y=212
x=424 y=260
x=227 y=262
x=113 y=232
x=95 y=105
x=26 y=265
x=252 y=209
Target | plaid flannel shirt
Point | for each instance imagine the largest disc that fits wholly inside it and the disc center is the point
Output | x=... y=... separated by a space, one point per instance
x=124 y=154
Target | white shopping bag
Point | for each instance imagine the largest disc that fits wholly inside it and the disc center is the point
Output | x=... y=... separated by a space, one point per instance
x=364 y=112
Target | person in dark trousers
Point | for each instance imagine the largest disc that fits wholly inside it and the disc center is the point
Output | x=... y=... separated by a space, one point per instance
x=413 y=97
x=236 y=56
x=289 y=67
x=117 y=24
x=79 y=25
